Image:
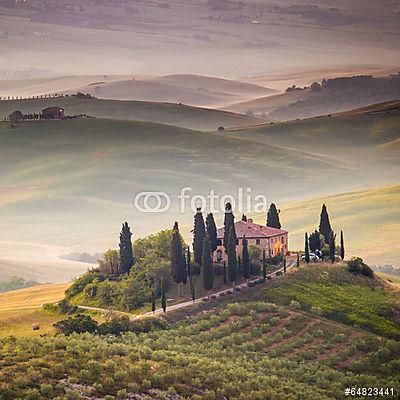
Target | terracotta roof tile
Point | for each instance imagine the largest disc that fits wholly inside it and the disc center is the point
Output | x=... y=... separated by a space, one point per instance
x=252 y=230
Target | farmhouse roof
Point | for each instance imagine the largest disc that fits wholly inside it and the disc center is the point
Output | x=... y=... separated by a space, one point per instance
x=251 y=230
x=52 y=109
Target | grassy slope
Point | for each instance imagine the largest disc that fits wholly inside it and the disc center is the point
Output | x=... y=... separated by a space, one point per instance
x=165 y=113
x=68 y=174
x=19 y=310
x=307 y=103
x=251 y=349
x=369 y=219
x=341 y=296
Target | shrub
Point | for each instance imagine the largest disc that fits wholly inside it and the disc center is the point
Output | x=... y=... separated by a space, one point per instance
x=356 y=265
x=275 y=260
x=79 y=324
x=295 y=305
x=82 y=282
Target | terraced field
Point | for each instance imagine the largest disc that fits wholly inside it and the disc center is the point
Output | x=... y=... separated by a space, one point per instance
x=252 y=350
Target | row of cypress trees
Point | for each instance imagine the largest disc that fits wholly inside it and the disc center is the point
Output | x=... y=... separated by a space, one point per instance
x=205 y=242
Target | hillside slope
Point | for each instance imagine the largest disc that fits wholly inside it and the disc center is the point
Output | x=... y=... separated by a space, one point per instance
x=195 y=90
x=332 y=96
x=79 y=177
x=248 y=349
x=369 y=219
x=165 y=113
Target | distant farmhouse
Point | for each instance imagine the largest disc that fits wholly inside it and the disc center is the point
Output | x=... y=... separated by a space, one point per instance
x=274 y=241
x=53 y=113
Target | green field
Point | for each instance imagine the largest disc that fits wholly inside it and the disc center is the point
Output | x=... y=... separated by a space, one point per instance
x=368 y=218
x=336 y=294
x=79 y=178
x=163 y=113
x=237 y=347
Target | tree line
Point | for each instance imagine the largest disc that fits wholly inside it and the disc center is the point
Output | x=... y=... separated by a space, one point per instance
x=183 y=266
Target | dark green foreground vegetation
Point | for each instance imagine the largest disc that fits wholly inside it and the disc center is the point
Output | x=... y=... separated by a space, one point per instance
x=215 y=350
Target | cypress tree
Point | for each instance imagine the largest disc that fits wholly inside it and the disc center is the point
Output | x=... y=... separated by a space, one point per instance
x=163 y=297
x=178 y=262
x=264 y=265
x=298 y=260
x=239 y=269
x=211 y=230
x=192 y=288
x=232 y=260
x=188 y=268
x=199 y=233
x=332 y=247
x=153 y=301
x=273 y=217
x=324 y=224
x=246 y=259
x=306 y=250
x=125 y=249
x=341 y=245
x=224 y=274
x=229 y=222
x=207 y=269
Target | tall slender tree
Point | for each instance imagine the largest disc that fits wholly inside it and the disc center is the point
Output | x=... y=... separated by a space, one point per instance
x=192 y=288
x=284 y=265
x=246 y=259
x=207 y=269
x=125 y=249
x=153 y=301
x=306 y=250
x=239 y=267
x=178 y=262
x=341 y=245
x=232 y=259
x=199 y=233
x=273 y=217
x=324 y=224
x=264 y=265
x=224 y=273
x=188 y=261
x=229 y=222
x=163 y=296
x=211 y=230
x=298 y=260
x=332 y=245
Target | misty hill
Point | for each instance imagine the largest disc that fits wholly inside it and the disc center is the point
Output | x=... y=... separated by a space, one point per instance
x=70 y=182
x=331 y=96
x=165 y=113
x=194 y=90
x=216 y=38
x=188 y=89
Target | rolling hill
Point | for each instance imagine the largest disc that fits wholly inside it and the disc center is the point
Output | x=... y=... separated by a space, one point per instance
x=194 y=90
x=331 y=96
x=78 y=178
x=164 y=113
x=240 y=345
